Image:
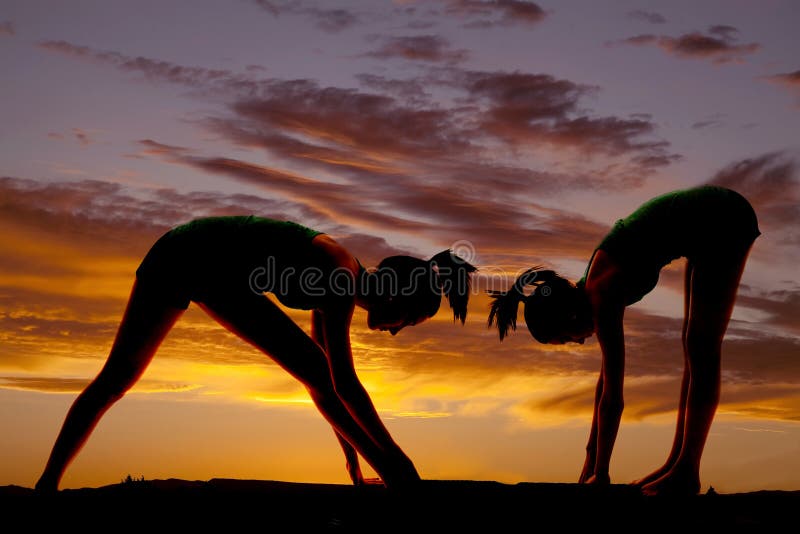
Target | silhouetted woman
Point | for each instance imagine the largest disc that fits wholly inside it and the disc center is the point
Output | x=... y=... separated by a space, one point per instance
x=713 y=228
x=225 y=264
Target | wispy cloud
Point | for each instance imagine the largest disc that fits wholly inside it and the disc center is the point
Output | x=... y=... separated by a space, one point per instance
x=490 y=13
x=513 y=108
x=432 y=48
x=650 y=17
x=76 y=385
x=538 y=107
x=152 y=69
x=719 y=44
x=81 y=136
x=788 y=80
x=707 y=123
x=412 y=89
x=329 y=20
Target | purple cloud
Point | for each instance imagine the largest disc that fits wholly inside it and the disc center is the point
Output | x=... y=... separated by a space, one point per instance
x=718 y=45
x=432 y=48
x=489 y=13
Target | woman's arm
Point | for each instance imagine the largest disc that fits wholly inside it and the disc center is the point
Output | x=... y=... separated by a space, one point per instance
x=335 y=316
x=609 y=408
x=604 y=283
x=336 y=325
x=350 y=454
x=591 y=447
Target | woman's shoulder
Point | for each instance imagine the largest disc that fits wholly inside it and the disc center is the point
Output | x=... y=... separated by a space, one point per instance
x=333 y=254
x=604 y=275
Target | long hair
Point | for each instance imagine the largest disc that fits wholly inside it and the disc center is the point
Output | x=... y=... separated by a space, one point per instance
x=545 y=307
x=454 y=280
x=421 y=283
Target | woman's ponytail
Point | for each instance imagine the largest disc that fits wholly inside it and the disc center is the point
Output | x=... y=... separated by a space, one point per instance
x=453 y=274
x=504 y=307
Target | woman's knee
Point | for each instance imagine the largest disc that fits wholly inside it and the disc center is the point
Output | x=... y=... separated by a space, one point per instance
x=323 y=393
x=702 y=345
x=704 y=359
x=112 y=383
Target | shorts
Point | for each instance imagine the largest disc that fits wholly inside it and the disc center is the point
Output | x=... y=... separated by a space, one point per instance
x=726 y=228
x=164 y=273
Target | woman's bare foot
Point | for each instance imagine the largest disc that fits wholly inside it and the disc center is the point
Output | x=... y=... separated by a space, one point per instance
x=675 y=483
x=598 y=480
x=652 y=477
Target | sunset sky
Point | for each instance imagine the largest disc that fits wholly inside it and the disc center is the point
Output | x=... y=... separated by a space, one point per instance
x=514 y=132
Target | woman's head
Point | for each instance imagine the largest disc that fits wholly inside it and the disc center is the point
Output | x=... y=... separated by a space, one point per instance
x=405 y=291
x=556 y=311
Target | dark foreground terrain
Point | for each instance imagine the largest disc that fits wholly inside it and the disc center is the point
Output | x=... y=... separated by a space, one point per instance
x=441 y=506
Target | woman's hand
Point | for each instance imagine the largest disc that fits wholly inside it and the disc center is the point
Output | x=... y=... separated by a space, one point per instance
x=354 y=470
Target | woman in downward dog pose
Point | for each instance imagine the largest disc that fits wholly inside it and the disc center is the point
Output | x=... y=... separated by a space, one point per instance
x=225 y=264
x=713 y=228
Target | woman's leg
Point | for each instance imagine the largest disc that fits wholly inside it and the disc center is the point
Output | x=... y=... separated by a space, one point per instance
x=713 y=288
x=145 y=324
x=677 y=443
x=261 y=323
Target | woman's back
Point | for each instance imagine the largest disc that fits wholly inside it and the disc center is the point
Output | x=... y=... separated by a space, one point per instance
x=689 y=223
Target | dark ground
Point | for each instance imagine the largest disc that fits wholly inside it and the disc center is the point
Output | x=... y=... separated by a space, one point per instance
x=441 y=506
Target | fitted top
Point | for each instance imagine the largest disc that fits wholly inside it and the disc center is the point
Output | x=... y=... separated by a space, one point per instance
x=695 y=223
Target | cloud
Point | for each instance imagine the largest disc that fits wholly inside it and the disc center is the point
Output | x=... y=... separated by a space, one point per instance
x=699 y=125
x=711 y=121
x=517 y=109
x=782 y=307
x=788 y=80
x=7 y=28
x=76 y=385
x=647 y=16
x=81 y=136
x=490 y=13
x=727 y=33
x=153 y=70
x=366 y=121
x=719 y=45
x=329 y=20
x=538 y=107
x=410 y=90
x=381 y=145
x=642 y=39
x=153 y=148
x=697 y=45
x=651 y=396
x=401 y=204
x=78 y=214
x=432 y=48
